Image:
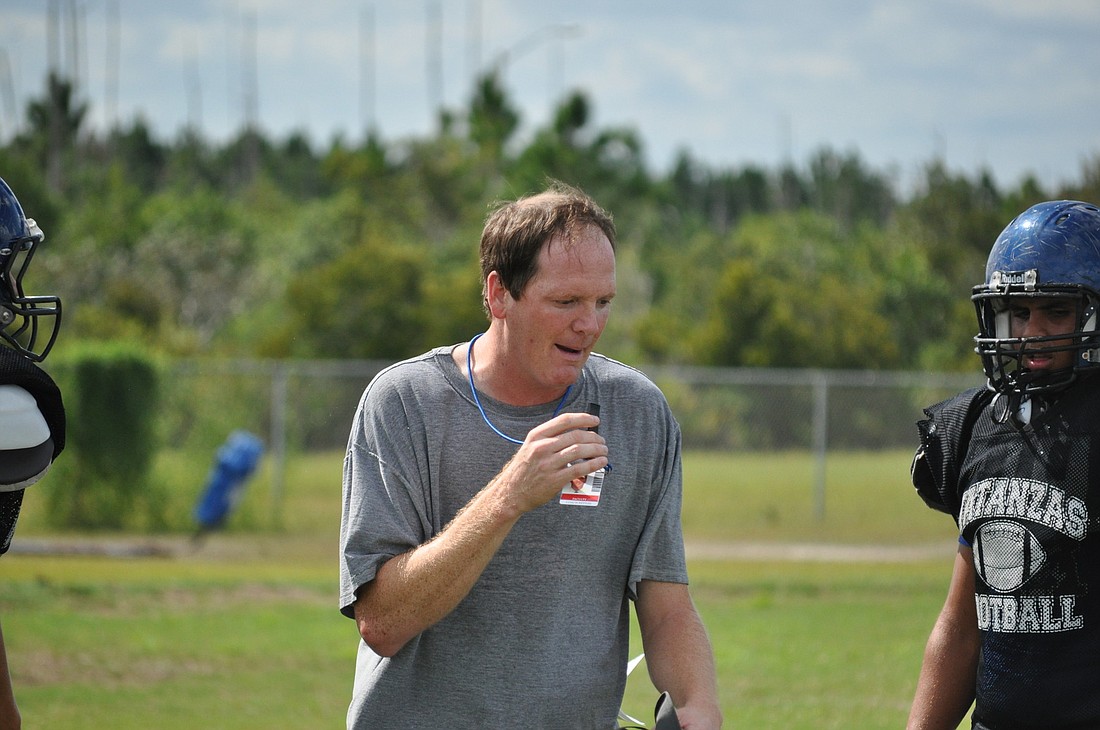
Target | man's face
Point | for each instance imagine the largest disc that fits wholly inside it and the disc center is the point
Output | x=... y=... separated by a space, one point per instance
x=1045 y=317
x=554 y=326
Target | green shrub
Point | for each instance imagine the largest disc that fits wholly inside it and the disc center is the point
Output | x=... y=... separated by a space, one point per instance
x=111 y=394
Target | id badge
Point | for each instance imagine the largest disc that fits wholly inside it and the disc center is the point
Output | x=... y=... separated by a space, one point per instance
x=588 y=494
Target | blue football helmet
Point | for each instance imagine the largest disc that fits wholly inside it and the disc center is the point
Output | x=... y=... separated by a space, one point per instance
x=29 y=324
x=1050 y=250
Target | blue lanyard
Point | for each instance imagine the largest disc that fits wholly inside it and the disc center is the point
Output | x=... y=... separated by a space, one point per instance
x=484 y=415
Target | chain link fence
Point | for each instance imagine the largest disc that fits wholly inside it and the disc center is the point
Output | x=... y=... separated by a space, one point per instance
x=307 y=406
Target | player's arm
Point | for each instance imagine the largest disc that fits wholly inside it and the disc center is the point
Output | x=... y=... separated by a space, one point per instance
x=416 y=589
x=678 y=653
x=9 y=712
x=948 y=674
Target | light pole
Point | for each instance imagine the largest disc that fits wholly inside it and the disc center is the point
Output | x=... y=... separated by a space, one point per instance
x=559 y=32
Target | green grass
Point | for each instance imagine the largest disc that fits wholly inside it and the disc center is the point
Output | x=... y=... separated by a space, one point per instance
x=138 y=652
x=242 y=631
x=770 y=497
x=812 y=645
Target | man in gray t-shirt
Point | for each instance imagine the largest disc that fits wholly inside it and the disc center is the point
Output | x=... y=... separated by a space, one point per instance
x=495 y=530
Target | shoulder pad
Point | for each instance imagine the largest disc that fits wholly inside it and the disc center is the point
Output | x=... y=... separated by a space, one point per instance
x=944 y=438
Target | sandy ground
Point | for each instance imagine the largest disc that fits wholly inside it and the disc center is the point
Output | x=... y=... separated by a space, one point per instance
x=217 y=547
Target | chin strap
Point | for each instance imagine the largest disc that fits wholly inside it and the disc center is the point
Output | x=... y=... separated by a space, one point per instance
x=1005 y=408
x=1023 y=394
x=1016 y=408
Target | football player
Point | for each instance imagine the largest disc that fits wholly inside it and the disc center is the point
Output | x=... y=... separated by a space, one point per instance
x=1017 y=464
x=32 y=415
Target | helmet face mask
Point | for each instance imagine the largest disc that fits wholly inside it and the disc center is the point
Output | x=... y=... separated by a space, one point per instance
x=28 y=324
x=1049 y=252
x=1003 y=352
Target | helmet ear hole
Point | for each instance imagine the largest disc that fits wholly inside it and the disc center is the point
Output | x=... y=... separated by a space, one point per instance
x=1090 y=355
x=1088 y=318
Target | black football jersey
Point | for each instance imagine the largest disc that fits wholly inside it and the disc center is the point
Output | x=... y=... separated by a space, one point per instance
x=1026 y=500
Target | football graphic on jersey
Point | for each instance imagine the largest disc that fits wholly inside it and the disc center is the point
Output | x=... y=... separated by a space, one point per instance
x=1006 y=555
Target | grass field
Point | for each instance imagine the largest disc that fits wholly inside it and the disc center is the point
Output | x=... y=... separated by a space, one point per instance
x=242 y=631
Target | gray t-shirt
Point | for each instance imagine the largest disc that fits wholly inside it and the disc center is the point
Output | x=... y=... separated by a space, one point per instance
x=542 y=638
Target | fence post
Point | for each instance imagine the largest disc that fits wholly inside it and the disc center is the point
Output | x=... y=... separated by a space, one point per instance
x=278 y=440
x=821 y=437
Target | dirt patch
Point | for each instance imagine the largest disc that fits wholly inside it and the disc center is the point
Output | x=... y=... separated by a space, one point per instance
x=45 y=668
x=818 y=552
x=235 y=548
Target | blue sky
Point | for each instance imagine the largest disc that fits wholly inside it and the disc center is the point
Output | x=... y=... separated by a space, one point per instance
x=1010 y=85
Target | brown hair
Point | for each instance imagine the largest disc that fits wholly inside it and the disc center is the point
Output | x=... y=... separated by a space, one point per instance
x=516 y=231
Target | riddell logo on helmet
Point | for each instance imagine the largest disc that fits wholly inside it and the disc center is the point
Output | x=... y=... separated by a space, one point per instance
x=1005 y=279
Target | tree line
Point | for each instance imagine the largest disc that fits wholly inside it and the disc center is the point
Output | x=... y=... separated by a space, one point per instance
x=277 y=248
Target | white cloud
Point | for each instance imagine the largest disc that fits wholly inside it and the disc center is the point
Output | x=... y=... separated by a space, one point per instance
x=1004 y=83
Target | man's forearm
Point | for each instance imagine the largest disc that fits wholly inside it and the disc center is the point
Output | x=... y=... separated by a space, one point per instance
x=413 y=591
x=679 y=654
x=9 y=711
